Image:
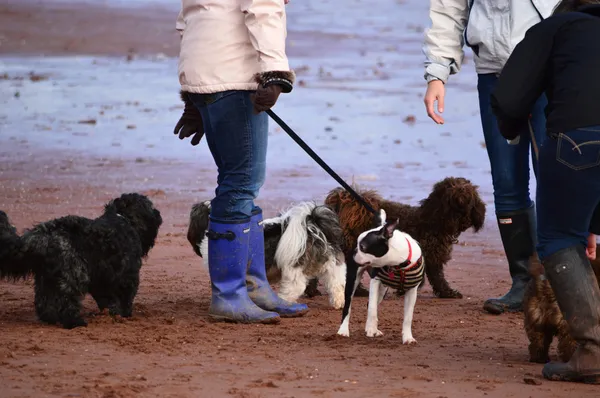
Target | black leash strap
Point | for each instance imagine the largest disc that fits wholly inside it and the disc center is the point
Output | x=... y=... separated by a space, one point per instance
x=320 y=161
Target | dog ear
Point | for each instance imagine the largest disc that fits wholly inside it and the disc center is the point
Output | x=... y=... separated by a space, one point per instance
x=120 y=204
x=389 y=228
x=478 y=215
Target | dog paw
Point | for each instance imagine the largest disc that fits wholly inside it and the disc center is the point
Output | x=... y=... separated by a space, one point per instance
x=408 y=340
x=373 y=332
x=450 y=294
x=540 y=359
x=337 y=302
x=343 y=331
x=74 y=323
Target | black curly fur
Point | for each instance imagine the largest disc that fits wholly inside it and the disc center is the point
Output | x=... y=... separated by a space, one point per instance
x=72 y=256
x=10 y=247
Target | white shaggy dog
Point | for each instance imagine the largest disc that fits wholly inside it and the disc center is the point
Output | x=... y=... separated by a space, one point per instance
x=301 y=245
x=394 y=259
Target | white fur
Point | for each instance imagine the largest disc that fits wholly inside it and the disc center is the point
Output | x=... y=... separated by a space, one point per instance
x=293 y=283
x=203 y=246
x=290 y=249
x=334 y=279
x=410 y=299
x=293 y=241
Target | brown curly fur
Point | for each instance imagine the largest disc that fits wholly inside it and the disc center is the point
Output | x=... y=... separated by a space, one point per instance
x=543 y=319
x=453 y=206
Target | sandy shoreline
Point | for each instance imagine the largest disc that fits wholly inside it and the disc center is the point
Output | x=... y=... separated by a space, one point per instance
x=75 y=29
x=168 y=348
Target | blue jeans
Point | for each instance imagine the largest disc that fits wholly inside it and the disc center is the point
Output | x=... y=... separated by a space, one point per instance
x=568 y=189
x=509 y=163
x=237 y=139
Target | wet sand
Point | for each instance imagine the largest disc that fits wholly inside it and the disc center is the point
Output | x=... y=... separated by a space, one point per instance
x=168 y=348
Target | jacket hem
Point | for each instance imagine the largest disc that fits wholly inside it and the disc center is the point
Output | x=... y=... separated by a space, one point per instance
x=218 y=88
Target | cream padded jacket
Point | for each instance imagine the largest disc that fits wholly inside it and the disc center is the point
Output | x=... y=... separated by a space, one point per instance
x=493 y=27
x=226 y=44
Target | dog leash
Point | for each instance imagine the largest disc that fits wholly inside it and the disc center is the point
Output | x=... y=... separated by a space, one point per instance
x=320 y=161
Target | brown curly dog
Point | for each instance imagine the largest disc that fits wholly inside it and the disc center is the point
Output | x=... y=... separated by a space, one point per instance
x=543 y=319
x=452 y=207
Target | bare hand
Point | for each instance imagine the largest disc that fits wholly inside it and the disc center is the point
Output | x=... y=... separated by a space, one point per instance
x=435 y=92
x=591 y=247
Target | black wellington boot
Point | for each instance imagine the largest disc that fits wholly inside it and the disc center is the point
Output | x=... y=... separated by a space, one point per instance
x=578 y=296
x=518 y=233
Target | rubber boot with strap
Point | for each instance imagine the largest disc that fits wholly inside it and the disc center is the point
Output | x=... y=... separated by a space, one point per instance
x=578 y=296
x=227 y=262
x=518 y=231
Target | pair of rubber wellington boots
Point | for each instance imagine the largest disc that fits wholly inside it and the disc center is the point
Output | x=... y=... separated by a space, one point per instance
x=236 y=264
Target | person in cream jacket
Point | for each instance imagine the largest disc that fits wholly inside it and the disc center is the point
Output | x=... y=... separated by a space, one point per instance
x=492 y=29
x=232 y=67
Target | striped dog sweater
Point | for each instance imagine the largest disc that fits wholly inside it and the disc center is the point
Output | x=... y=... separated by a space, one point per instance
x=404 y=276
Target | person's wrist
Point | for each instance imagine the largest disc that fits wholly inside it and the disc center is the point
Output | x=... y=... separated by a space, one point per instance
x=284 y=79
x=282 y=85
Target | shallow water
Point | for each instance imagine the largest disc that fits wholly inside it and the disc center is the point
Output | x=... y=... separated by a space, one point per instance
x=358 y=103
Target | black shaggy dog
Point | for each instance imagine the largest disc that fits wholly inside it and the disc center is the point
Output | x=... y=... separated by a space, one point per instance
x=72 y=256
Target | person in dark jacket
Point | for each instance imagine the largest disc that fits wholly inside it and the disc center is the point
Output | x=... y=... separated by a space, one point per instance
x=561 y=57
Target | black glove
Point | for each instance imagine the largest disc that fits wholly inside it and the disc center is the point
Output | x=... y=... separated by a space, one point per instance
x=190 y=122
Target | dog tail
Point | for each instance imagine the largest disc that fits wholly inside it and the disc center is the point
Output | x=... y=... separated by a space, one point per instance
x=199 y=218
x=12 y=254
x=293 y=242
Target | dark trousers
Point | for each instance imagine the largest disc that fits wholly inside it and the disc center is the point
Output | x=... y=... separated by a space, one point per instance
x=568 y=191
x=509 y=163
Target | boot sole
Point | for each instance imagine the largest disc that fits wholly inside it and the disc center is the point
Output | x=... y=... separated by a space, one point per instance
x=575 y=378
x=578 y=379
x=296 y=314
x=496 y=308
x=269 y=321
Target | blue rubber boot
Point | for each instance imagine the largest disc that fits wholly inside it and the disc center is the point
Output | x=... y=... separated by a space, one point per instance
x=227 y=262
x=259 y=289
